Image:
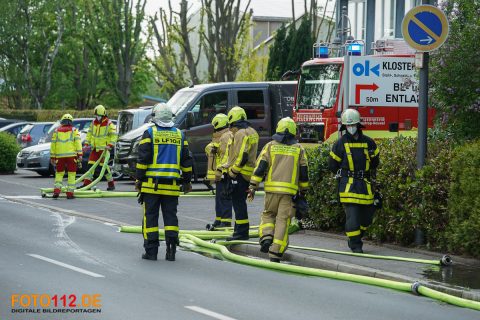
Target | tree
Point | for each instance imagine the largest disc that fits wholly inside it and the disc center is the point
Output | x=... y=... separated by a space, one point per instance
x=115 y=30
x=300 y=46
x=455 y=70
x=277 y=55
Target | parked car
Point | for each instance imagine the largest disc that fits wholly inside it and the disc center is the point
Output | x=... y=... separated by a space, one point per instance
x=31 y=133
x=14 y=128
x=80 y=124
x=5 y=122
x=131 y=119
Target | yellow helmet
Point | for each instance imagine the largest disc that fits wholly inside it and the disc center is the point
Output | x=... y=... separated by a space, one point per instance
x=287 y=124
x=236 y=114
x=67 y=116
x=100 y=110
x=350 y=117
x=220 y=121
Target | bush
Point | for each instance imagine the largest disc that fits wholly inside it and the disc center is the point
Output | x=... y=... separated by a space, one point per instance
x=8 y=156
x=464 y=200
x=51 y=114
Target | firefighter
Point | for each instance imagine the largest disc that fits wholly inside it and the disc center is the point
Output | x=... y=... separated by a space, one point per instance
x=353 y=158
x=242 y=152
x=65 y=153
x=217 y=153
x=101 y=136
x=286 y=179
x=164 y=164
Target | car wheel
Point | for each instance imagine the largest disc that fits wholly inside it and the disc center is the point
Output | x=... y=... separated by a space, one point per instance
x=115 y=174
x=44 y=173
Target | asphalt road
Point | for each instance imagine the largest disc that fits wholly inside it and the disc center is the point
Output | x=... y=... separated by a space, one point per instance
x=46 y=252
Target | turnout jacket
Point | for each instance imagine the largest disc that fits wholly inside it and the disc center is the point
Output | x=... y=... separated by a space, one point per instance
x=284 y=167
x=101 y=133
x=164 y=161
x=242 y=151
x=353 y=160
x=65 y=143
x=217 y=151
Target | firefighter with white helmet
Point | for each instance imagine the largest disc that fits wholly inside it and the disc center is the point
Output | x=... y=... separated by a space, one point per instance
x=217 y=153
x=286 y=179
x=237 y=170
x=164 y=164
x=101 y=136
x=354 y=157
x=65 y=154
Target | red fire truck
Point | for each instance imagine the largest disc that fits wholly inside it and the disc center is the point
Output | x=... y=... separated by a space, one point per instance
x=381 y=86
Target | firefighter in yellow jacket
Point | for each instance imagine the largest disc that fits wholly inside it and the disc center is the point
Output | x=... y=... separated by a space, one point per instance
x=164 y=164
x=65 y=153
x=217 y=153
x=353 y=158
x=101 y=136
x=283 y=164
x=242 y=152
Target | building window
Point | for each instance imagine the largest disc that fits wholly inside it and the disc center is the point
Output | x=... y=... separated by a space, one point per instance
x=357 y=15
x=385 y=19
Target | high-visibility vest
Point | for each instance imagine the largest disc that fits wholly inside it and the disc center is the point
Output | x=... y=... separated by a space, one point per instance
x=167 y=147
x=101 y=134
x=65 y=143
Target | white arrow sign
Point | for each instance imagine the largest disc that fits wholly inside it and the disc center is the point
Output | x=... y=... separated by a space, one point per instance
x=428 y=40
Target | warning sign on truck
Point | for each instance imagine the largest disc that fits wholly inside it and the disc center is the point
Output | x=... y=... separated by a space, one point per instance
x=383 y=81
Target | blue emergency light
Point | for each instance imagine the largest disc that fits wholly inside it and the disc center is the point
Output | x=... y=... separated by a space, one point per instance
x=354 y=49
x=321 y=51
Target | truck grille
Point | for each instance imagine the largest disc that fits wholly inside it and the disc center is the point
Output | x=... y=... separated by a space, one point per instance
x=123 y=148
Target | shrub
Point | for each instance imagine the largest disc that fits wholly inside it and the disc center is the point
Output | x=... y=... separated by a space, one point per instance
x=8 y=156
x=51 y=114
x=464 y=200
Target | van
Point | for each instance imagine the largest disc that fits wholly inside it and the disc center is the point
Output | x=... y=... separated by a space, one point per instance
x=194 y=107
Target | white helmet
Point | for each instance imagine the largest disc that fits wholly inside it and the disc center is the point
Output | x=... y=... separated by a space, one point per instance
x=162 y=115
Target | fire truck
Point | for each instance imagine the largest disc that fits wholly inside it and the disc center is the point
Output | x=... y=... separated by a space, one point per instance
x=382 y=87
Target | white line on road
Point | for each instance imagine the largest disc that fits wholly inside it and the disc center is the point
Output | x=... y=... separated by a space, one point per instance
x=209 y=313
x=24 y=197
x=58 y=263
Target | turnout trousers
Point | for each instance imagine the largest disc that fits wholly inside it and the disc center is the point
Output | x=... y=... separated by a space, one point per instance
x=62 y=164
x=223 y=205
x=358 y=218
x=151 y=206
x=239 y=202
x=275 y=221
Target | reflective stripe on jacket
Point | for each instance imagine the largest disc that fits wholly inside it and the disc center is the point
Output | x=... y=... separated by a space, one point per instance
x=101 y=134
x=284 y=167
x=359 y=157
x=65 y=143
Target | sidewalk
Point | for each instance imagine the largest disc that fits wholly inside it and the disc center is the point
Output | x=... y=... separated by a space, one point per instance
x=467 y=283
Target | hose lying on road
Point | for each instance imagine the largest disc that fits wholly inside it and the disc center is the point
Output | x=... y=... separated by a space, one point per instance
x=416 y=287
x=446 y=260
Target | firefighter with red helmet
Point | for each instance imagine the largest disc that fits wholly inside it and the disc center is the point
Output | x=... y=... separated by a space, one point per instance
x=353 y=158
x=101 y=137
x=65 y=154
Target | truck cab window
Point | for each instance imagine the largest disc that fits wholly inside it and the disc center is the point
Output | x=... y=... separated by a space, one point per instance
x=208 y=106
x=318 y=86
x=252 y=101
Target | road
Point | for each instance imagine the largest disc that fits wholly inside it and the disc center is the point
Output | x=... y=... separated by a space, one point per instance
x=47 y=252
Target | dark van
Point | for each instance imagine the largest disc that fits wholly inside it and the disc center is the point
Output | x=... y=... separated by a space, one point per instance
x=194 y=107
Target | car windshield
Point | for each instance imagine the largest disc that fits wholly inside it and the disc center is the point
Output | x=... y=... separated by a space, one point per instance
x=318 y=85
x=180 y=100
x=26 y=129
x=48 y=136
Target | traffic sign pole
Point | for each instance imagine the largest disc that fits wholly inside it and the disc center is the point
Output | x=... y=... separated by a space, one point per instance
x=422 y=112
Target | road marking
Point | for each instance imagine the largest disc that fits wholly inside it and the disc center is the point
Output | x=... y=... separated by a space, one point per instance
x=61 y=264
x=24 y=197
x=209 y=313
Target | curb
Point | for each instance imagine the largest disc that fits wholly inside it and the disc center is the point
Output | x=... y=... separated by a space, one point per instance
x=306 y=260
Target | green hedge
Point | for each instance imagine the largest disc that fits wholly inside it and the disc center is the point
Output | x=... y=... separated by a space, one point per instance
x=442 y=199
x=51 y=115
x=8 y=156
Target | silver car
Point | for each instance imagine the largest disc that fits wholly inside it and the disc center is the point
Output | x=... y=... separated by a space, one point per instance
x=36 y=158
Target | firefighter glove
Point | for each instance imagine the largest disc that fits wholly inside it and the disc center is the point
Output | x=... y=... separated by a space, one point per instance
x=186 y=187
x=301 y=205
x=251 y=193
x=138 y=185
x=79 y=162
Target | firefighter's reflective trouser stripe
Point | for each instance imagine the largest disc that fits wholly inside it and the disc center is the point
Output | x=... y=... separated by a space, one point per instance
x=275 y=221
x=69 y=164
x=151 y=206
x=359 y=218
x=239 y=202
x=94 y=156
x=223 y=204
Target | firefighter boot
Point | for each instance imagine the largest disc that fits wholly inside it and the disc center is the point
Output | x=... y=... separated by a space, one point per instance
x=276 y=260
x=70 y=195
x=172 y=243
x=111 y=186
x=265 y=245
x=150 y=254
x=86 y=182
x=355 y=244
x=211 y=227
x=56 y=193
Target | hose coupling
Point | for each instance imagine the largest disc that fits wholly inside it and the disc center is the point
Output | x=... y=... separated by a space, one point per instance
x=415 y=287
x=446 y=260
